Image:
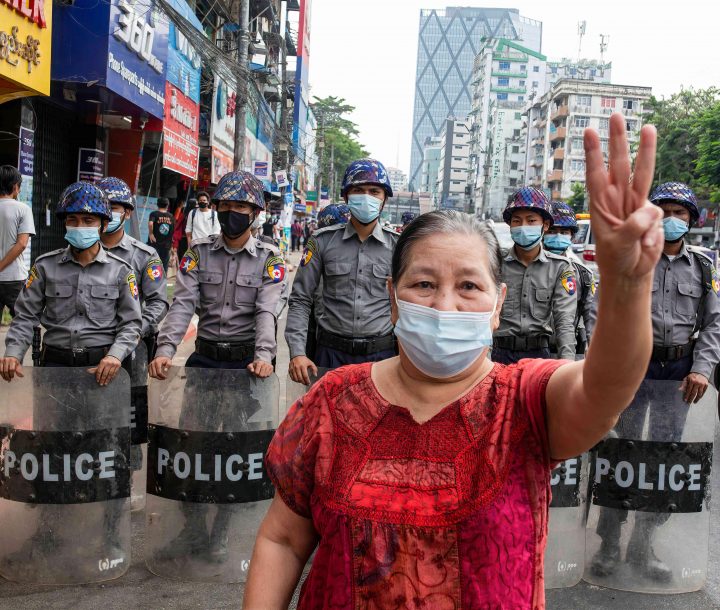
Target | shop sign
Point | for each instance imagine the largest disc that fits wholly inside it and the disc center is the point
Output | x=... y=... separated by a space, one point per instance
x=261 y=169
x=299 y=207
x=222 y=131
x=137 y=53
x=25 y=46
x=180 y=133
x=184 y=62
x=26 y=167
x=91 y=164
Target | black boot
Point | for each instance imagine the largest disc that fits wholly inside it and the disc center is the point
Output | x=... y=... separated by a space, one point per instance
x=218 y=551
x=606 y=560
x=641 y=556
x=192 y=540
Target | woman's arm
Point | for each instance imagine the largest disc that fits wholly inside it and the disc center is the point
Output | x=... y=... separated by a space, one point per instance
x=283 y=546
x=585 y=399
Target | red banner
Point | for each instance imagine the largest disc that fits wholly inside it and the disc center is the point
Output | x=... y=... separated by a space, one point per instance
x=180 y=133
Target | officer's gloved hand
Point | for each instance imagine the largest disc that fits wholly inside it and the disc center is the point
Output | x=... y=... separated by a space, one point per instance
x=9 y=367
x=106 y=370
x=299 y=369
x=260 y=368
x=159 y=367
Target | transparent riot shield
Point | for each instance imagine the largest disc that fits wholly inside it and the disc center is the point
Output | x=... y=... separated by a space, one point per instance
x=138 y=424
x=294 y=390
x=64 y=477
x=208 y=491
x=648 y=524
x=565 y=550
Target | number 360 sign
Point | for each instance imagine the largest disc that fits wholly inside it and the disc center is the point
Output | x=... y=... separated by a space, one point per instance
x=135 y=31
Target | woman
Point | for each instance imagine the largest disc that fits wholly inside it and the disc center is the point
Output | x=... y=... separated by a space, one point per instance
x=425 y=478
x=181 y=217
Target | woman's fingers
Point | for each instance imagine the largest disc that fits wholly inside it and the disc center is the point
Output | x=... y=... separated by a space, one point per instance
x=645 y=162
x=619 y=166
x=596 y=176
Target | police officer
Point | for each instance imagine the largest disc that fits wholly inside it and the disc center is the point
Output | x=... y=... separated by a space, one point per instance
x=541 y=286
x=87 y=300
x=353 y=261
x=686 y=332
x=407 y=218
x=558 y=240
x=143 y=259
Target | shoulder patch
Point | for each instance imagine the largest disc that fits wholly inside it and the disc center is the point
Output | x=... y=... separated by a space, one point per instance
x=310 y=251
x=568 y=281
x=189 y=262
x=132 y=285
x=155 y=269
x=275 y=267
x=33 y=275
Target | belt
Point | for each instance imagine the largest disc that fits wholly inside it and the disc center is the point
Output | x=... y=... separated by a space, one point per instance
x=223 y=351
x=674 y=352
x=521 y=344
x=356 y=346
x=77 y=356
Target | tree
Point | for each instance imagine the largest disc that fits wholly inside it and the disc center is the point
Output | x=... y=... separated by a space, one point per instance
x=577 y=200
x=338 y=135
x=708 y=147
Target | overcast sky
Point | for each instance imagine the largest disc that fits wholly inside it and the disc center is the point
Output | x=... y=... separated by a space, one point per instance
x=366 y=51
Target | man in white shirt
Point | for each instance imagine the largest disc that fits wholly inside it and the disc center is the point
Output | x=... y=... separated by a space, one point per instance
x=202 y=221
x=16 y=227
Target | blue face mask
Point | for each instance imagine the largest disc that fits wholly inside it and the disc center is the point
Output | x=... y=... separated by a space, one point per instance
x=82 y=238
x=526 y=237
x=674 y=228
x=442 y=344
x=556 y=243
x=365 y=208
x=116 y=222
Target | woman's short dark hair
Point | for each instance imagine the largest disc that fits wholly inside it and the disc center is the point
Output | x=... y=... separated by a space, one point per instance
x=446 y=222
x=9 y=178
x=203 y=194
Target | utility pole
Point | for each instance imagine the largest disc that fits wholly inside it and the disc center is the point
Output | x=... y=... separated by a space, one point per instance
x=243 y=84
x=332 y=173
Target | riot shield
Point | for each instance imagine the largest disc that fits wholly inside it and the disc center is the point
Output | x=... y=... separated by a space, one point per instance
x=64 y=477
x=294 y=390
x=648 y=524
x=565 y=550
x=208 y=491
x=138 y=424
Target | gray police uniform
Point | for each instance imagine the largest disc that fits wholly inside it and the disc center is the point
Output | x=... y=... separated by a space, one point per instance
x=540 y=297
x=152 y=283
x=236 y=293
x=87 y=312
x=586 y=310
x=354 y=325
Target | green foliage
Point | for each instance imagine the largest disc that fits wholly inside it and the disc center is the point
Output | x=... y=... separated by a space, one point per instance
x=708 y=147
x=577 y=200
x=337 y=133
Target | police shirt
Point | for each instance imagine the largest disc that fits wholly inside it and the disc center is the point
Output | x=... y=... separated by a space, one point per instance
x=91 y=306
x=354 y=275
x=540 y=296
x=236 y=293
x=677 y=290
x=152 y=282
x=586 y=311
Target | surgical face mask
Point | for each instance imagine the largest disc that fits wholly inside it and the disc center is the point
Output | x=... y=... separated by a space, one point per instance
x=526 y=237
x=116 y=222
x=442 y=344
x=365 y=208
x=82 y=238
x=557 y=243
x=234 y=224
x=674 y=228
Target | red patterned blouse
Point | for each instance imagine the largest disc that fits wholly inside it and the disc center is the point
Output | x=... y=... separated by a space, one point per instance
x=447 y=514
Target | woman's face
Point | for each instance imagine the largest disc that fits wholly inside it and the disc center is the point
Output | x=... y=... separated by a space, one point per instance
x=449 y=273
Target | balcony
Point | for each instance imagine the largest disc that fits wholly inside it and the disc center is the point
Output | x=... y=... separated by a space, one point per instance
x=559 y=153
x=559 y=112
x=558 y=134
x=509 y=74
x=555 y=175
x=536 y=181
x=536 y=162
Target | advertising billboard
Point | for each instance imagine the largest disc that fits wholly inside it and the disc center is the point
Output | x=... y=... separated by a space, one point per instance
x=181 y=151
x=222 y=130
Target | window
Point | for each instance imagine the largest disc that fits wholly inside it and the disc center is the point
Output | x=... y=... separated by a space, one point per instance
x=577 y=165
x=503 y=82
x=604 y=145
x=607 y=102
x=516 y=149
x=576 y=144
x=582 y=121
x=536 y=68
x=553 y=70
x=630 y=104
x=504 y=66
x=523 y=67
x=513 y=181
x=513 y=165
x=573 y=71
x=518 y=116
x=605 y=124
x=521 y=98
x=631 y=125
x=536 y=84
x=522 y=83
x=516 y=133
x=502 y=96
x=583 y=100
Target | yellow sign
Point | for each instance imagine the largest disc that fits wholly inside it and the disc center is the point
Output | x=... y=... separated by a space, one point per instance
x=25 y=48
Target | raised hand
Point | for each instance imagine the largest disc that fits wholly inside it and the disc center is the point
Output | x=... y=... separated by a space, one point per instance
x=626 y=226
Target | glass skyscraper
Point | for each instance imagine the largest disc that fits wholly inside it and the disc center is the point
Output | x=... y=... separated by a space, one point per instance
x=448 y=42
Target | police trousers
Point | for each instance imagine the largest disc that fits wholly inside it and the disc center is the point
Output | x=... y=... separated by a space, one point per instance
x=509 y=356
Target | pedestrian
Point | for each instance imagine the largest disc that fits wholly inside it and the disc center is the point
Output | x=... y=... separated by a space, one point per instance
x=151 y=281
x=16 y=228
x=202 y=221
x=234 y=281
x=296 y=232
x=161 y=226
x=558 y=240
x=407 y=218
x=424 y=480
x=180 y=242
x=686 y=348
x=541 y=286
x=353 y=261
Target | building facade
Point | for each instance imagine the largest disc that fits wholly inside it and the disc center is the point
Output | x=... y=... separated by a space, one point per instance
x=398 y=179
x=430 y=168
x=448 y=42
x=454 y=165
